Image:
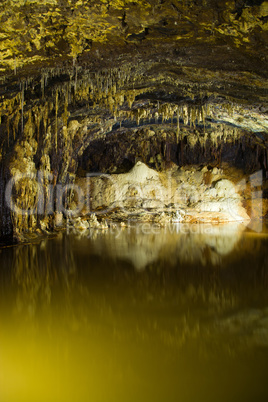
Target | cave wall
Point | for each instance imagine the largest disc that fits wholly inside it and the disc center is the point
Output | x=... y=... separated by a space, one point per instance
x=161 y=148
x=95 y=86
x=56 y=128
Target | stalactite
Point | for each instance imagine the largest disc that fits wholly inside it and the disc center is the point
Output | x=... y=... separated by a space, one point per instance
x=65 y=115
x=266 y=163
x=43 y=85
x=22 y=106
x=131 y=98
x=182 y=150
x=191 y=118
x=138 y=117
x=195 y=116
x=203 y=116
x=198 y=115
x=205 y=142
x=178 y=125
x=185 y=114
x=45 y=116
x=37 y=122
x=15 y=65
x=16 y=124
x=75 y=82
x=56 y=121
x=189 y=115
x=208 y=111
x=8 y=130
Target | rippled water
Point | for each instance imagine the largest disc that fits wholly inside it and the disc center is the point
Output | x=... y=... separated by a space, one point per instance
x=177 y=314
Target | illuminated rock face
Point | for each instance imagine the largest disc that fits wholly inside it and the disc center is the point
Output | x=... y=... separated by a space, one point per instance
x=181 y=195
x=90 y=86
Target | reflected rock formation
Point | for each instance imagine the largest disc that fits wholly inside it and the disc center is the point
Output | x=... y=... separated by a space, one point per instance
x=41 y=271
x=144 y=244
x=70 y=291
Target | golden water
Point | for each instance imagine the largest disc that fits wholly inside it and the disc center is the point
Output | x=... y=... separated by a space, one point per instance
x=132 y=316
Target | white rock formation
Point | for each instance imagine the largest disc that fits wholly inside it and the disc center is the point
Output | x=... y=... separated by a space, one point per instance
x=143 y=189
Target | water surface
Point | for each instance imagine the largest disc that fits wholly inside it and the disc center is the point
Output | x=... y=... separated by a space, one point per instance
x=136 y=315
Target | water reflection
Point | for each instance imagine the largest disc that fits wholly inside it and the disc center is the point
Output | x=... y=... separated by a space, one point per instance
x=144 y=244
x=39 y=267
x=130 y=316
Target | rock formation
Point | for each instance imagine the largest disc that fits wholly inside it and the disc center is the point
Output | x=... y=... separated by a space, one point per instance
x=90 y=87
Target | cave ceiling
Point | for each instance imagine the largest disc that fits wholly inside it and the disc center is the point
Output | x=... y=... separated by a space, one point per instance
x=88 y=67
